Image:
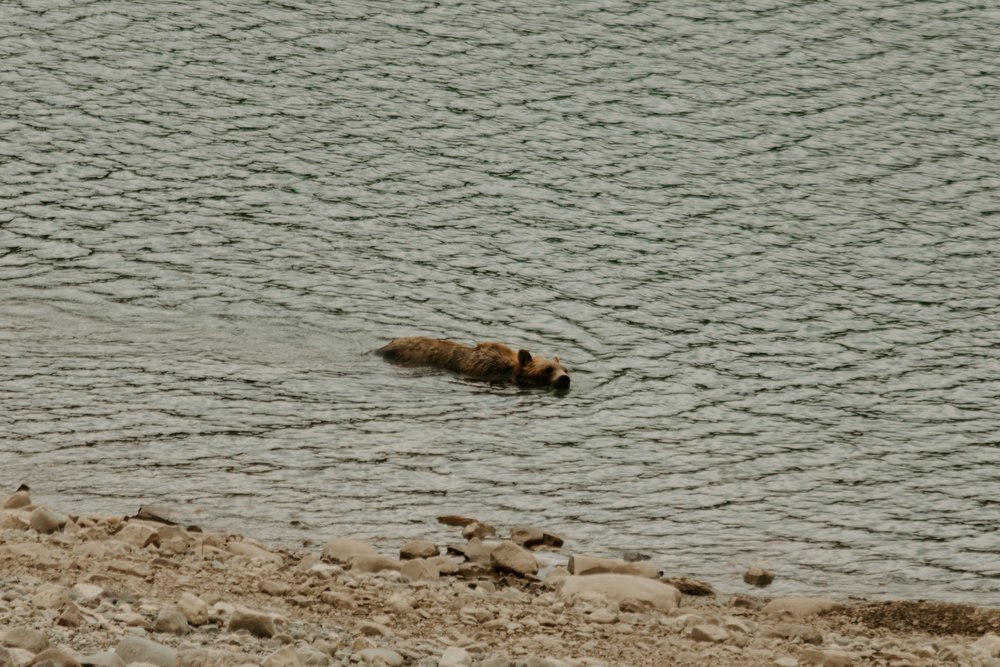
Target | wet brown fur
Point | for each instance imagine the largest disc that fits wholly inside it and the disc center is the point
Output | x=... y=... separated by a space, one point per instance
x=490 y=362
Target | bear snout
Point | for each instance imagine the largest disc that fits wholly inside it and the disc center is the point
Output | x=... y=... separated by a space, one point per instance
x=561 y=382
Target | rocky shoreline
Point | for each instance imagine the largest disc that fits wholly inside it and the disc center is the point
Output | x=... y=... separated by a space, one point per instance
x=110 y=591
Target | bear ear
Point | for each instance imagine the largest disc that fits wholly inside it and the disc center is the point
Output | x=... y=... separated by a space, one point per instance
x=524 y=357
x=555 y=359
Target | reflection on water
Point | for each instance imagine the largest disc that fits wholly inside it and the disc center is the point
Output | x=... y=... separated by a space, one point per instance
x=760 y=236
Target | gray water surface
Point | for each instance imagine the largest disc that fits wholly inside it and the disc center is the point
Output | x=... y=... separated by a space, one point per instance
x=762 y=235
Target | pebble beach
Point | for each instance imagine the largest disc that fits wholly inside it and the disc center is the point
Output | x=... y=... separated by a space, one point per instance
x=141 y=589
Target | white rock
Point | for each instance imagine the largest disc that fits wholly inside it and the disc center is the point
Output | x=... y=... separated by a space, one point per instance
x=418 y=549
x=799 y=607
x=383 y=655
x=510 y=557
x=254 y=552
x=138 y=650
x=619 y=587
x=50 y=596
x=826 y=658
x=708 y=633
x=194 y=609
x=17 y=500
x=285 y=656
x=455 y=657
x=45 y=520
x=343 y=549
x=84 y=593
x=375 y=563
x=372 y=629
x=593 y=565
x=602 y=616
x=171 y=621
x=27 y=638
x=138 y=535
x=255 y=622
x=419 y=569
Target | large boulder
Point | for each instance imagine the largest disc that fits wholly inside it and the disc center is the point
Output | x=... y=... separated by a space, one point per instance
x=620 y=587
x=509 y=557
x=799 y=607
x=343 y=549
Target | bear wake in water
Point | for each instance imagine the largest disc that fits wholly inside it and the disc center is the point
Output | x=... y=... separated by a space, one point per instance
x=490 y=362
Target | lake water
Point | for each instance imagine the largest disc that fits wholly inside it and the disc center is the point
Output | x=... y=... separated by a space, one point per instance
x=762 y=236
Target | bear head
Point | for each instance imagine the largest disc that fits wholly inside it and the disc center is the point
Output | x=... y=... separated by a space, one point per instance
x=540 y=372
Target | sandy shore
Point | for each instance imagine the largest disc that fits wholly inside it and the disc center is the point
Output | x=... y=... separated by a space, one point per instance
x=116 y=590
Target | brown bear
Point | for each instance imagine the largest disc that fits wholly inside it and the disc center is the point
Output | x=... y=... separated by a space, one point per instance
x=490 y=362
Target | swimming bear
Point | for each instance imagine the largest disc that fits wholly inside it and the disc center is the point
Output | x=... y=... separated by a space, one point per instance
x=490 y=362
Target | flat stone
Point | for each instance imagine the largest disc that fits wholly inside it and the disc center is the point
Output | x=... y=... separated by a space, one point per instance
x=312 y=658
x=827 y=658
x=343 y=549
x=55 y=657
x=171 y=621
x=139 y=650
x=376 y=563
x=708 y=633
x=592 y=565
x=50 y=596
x=272 y=587
x=27 y=638
x=84 y=593
x=138 y=535
x=256 y=623
x=455 y=657
x=444 y=564
x=742 y=626
x=285 y=656
x=509 y=557
x=619 y=587
x=786 y=661
x=418 y=549
x=45 y=520
x=387 y=656
x=420 y=570
x=758 y=576
x=194 y=609
x=602 y=616
x=254 y=552
x=799 y=607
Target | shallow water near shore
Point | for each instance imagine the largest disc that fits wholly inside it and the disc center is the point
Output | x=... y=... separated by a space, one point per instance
x=761 y=237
